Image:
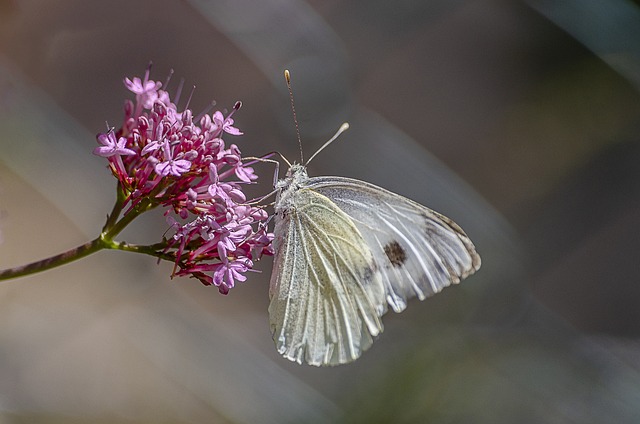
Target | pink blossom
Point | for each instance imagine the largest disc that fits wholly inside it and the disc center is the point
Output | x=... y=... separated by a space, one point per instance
x=161 y=157
x=225 y=124
x=245 y=173
x=146 y=91
x=111 y=147
x=170 y=165
x=230 y=270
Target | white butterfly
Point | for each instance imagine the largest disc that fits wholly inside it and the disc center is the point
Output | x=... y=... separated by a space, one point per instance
x=344 y=250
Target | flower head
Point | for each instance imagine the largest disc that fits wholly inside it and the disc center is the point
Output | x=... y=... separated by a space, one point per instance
x=161 y=157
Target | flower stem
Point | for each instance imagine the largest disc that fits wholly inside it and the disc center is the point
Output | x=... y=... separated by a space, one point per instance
x=111 y=229
x=112 y=218
x=154 y=250
x=54 y=261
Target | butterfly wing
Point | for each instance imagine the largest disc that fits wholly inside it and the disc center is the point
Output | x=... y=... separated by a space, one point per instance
x=326 y=292
x=418 y=251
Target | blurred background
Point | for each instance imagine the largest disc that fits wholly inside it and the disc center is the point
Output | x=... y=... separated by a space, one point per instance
x=518 y=119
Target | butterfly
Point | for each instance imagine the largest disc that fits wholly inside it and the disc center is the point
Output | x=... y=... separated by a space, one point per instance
x=344 y=252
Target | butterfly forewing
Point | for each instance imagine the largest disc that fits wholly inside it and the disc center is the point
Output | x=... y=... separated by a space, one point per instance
x=417 y=250
x=326 y=291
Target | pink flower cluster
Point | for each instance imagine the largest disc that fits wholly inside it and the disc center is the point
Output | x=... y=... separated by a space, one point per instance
x=161 y=157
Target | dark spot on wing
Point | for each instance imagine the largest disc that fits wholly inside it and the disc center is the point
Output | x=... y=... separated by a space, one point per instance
x=369 y=273
x=396 y=254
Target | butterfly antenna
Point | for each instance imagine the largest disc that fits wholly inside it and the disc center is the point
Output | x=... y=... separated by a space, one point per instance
x=342 y=129
x=287 y=76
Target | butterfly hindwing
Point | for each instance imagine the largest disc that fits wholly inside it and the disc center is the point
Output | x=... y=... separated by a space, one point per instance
x=326 y=292
x=418 y=251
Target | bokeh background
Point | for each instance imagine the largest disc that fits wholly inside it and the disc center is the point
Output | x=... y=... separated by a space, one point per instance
x=519 y=119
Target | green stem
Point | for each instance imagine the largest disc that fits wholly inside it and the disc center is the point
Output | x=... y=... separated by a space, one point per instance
x=114 y=229
x=86 y=249
x=111 y=229
x=154 y=250
x=112 y=218
x=55 y=261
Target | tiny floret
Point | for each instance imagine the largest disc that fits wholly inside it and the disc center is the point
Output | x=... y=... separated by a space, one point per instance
x=111 y=147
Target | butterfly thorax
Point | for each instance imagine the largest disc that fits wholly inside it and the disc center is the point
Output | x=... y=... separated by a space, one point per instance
x=286 y=187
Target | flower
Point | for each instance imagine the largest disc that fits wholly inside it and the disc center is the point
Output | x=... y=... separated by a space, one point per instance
x=171 y=166
x=162 y=158
x=226 y=124
x=146 y=91
x=111 y=147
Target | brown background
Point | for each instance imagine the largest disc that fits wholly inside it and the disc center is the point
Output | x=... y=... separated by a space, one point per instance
x=517 y=119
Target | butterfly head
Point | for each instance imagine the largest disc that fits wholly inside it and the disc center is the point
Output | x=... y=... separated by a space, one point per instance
x=297 y=171
x=296 y=174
